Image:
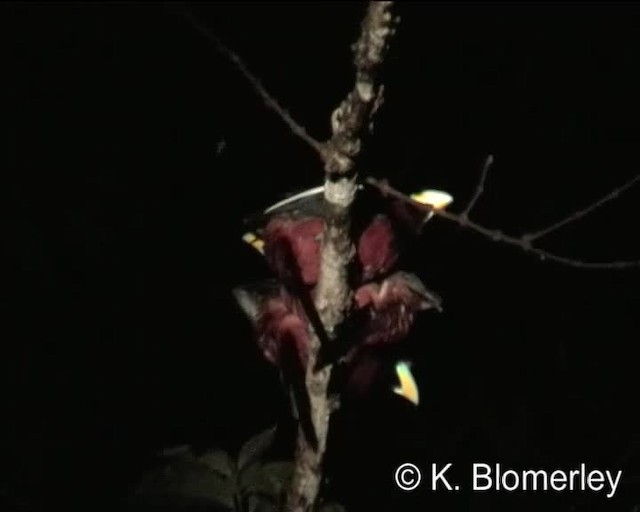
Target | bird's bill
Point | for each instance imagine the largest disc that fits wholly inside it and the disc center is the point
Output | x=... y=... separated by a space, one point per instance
x=297 y=197
x=248 y=302
x=437 y=199
x=250 y=297
x=254 y=241
x=408 y=388
x=430 y=300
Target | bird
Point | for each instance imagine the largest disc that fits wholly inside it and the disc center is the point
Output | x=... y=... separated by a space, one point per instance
x=380 y=227
x=282 y=334
x=385 y=300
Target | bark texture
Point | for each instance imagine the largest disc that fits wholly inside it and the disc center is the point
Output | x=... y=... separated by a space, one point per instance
x=349 y=123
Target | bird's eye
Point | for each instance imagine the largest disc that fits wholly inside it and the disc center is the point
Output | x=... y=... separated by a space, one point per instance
x=436 y=198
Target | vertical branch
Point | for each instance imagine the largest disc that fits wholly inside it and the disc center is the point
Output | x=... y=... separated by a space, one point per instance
x=333 y=296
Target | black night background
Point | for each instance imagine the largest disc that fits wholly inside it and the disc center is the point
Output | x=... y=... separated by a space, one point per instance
x=133 y=150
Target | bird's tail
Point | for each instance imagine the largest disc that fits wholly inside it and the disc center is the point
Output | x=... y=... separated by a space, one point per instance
x=293 y=373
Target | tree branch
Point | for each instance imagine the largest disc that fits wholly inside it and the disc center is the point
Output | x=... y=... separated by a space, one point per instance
x=269 y=100
x=523 y=242
x=480 y=188
x=333 y=294
x=585 y=211
x=354 y=113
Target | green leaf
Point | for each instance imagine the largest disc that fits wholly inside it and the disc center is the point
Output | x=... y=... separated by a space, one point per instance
x=177 y=452
x=219 y=462
x=187 y=483
x=256 y=447
x=271 y=478
x=259 y=503
x=332 y=507
x=202 y=484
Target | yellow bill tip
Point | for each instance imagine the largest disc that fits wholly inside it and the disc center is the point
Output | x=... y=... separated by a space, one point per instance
x=408 y=388
x=438 y=199
x=254 y=241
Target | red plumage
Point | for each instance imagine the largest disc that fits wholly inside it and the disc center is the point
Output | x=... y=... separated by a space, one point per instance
x=301 y=238
x=377 y=248
x=282 y=332
x=278 y=319
x=384 y=305
x=292 y=237
x=391 y=307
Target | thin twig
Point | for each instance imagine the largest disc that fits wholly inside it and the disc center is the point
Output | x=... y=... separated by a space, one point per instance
x=523 y=242
x=355 y=112
x=585 y=211
x=269 y=100
x=480 y=188
x=340 y=159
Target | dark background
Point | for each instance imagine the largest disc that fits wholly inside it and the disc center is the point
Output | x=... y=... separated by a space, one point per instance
x=124 y=223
